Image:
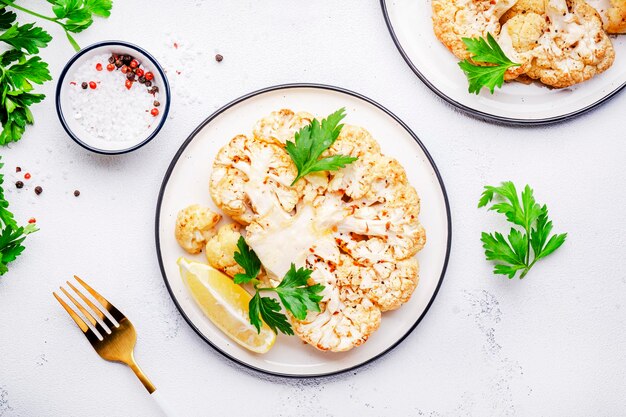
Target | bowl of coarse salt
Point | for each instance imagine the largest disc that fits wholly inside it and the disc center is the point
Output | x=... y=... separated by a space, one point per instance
x=112 y=97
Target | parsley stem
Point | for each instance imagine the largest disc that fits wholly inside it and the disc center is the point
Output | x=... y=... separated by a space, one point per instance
x=25 y=10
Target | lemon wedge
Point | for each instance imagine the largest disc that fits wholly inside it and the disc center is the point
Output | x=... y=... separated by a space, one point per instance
x=225 y=304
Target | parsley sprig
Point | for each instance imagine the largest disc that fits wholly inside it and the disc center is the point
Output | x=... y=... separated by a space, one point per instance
x=73 y=16
x=513 y=253
x=485 y=51
x=11 y=235
x=312 y=140
x=20 y=68
x=293 y=291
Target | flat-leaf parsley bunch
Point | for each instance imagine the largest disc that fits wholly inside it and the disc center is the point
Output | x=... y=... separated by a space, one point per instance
x=20 y=67
x=513 y=253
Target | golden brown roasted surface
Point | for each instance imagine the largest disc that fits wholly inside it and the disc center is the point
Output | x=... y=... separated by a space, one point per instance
x=457 y=19
x=194 y=226
x=613 y=14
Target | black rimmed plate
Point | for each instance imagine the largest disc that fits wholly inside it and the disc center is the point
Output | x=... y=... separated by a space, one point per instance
x=410 y=25
x=186 y=182
x=63 y=99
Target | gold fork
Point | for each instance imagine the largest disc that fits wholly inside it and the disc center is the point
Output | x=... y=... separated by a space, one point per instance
x=114 y=341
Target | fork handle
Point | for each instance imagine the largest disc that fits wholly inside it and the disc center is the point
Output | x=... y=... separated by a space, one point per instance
x=166 y=407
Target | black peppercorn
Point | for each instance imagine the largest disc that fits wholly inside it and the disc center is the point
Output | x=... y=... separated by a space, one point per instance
x=84 y=85
x=111 y=59
x=148 y=83
x=126 y=59
x=142 y=79
x=76 y=193
x=118 y=63
x=155 y=89
x=38 y=190
x=19 y=184
x=156 y=103
x=130 y=75
x=18 y=169
x=219 y=58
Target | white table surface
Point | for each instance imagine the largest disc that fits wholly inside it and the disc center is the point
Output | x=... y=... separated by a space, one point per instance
x=550 y=345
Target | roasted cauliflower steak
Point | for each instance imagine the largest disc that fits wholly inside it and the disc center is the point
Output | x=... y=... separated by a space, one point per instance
x=558 y=42
x=357 y=229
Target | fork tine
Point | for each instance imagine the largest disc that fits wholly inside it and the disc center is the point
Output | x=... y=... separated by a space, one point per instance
x=83 y=326
x=91 y=336
x=103 y=317
x=86 y=313
x=117 y=315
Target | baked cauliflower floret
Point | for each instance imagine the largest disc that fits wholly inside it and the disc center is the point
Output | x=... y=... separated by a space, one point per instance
x=388 y=283
x=457 y=19
x=251 y=177
x=194 y=226
x=613 y=14
x=281 y=126
x=346 y=318
x=220 y=250
x=522 y=7
x=574 y=47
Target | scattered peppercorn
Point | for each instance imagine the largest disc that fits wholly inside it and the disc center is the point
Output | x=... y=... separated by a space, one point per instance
x=92 y=85
x=19 y=184
x=149 y=76
x=110 y=67
x=112 y=59
x=38 y=190
x=32 y=220
x=18 y=169
x=84 y=85
x=134 y=63
x=27 y=175
x=124 y=69
x=219 y=58
x=118 y=63
x=148 y=83
x=154 y=112
x=126 y=59
x=129 y=84
x=139 y=72
x=76 y=193
x=98 y=67
x=130 y=75
x=156 y=103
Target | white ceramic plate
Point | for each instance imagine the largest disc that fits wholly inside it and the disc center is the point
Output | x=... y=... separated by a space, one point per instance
x=186 y=182
x=410 y=25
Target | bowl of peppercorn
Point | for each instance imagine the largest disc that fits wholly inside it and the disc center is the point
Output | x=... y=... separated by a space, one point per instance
x=112 y=97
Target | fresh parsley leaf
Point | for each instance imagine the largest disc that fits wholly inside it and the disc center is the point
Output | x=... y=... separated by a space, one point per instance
x=77 y=15
x=248 y=260
x=513 y=253
x=296 y=295
x=269 y=310
x=7 y=18
x=293 y=291
x=26 y=37
x=487 y=65
x=312 y=140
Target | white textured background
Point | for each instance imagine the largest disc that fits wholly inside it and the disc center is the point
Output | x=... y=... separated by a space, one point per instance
x=551 y=345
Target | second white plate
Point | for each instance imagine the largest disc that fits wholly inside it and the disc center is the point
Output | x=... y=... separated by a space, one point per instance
x=410 y=25
x=186 y=182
